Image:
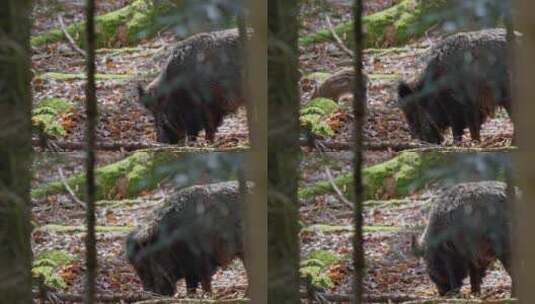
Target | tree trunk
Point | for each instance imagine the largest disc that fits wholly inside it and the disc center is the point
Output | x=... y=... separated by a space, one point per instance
x=525 y=126
x=90 y=135
x=15 y=152
x=359 y=108
x=283 y=153
x=256 y=216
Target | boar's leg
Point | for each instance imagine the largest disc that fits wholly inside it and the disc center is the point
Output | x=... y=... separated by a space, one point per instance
x=475 y=128
x=457 y=271
x=192 y=282
x=505 y=259
x=477 y=272
x=206 y=283
x=458 y=131
x=458 y=124
x=213 y=118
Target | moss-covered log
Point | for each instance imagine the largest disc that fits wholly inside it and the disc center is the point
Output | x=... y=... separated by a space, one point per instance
x=393 y=26
x=118 y=28
x=145 y=170
x=411 y=171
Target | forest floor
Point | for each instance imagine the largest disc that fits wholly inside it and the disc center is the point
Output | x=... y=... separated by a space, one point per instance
x=391 y=270
x=58 y=218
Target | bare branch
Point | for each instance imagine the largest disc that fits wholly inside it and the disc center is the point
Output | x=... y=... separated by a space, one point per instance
x=337 y=38
x=336 y=189
x=71 y=193
x=72 y=43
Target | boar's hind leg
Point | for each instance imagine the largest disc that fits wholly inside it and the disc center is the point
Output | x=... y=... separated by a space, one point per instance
x=475 y=128
x=213 y=119
x=206 y=284
x=477 y=272
x=458 y=124
x=505 y=259
x=192 y=282
x=458 y=131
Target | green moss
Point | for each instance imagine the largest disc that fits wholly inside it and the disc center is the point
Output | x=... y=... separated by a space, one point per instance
x=46 y=116
x=138 y=171
x=82 y=76
x=123 y=26
x=48 y=263
x=383 y=76
x=393 y=203
x=315 y=114
x=318 y=76
x=81 y=229
x=393 y=26
x=324 y=228
x=395 y=178
x=315 y=266
x=145 y=170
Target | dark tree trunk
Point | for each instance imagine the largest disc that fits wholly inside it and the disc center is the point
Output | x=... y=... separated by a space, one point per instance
x=526 y=124
x=283 y=153
x=15 y=152
x=359 y=112
x=91 y=112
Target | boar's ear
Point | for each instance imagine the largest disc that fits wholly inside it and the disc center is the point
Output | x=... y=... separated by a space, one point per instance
x=416 y=247
x=404 y=90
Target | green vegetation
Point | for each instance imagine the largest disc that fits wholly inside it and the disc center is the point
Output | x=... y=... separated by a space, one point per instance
x=47 y=265
x=144 y=170
x=315 y=114
x=391 y=27
x=81 y=76
x=122 y=27
x=124 y=179
x=315 y=267
x=324 y=228
x=46 y=116
x=395 y=178
x=81 y=229
x=411 y=171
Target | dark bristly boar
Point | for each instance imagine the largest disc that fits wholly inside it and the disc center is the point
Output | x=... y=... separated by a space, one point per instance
x=468 y=229
x=465 y=81
x=200 y=83
x=196 y=231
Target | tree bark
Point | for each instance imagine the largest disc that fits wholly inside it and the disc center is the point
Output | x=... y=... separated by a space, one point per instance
x=15 y=152
x=525 y=126
x=359 y=108
x=90 y=134
x=256 y=216
x=283 y=153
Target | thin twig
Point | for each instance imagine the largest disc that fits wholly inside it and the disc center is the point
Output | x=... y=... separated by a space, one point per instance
x=337 y=38
x=72 y=194
x=336 y=189
x=73 y=44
